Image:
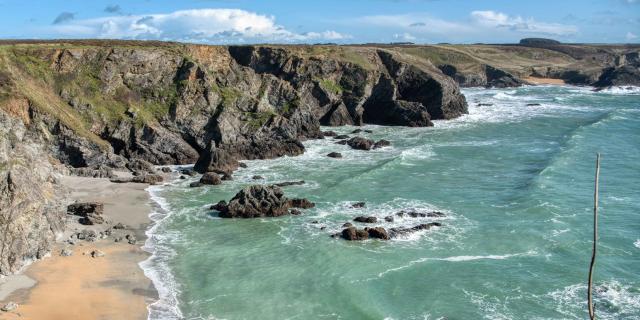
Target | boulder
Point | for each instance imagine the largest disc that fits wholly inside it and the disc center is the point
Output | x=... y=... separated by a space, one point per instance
x=66 y=252
x=329 y=133
x=378 y=233
x=347 y=225
x=395 y=232
x=220 y=206
x=10 y=306
x=256 y=177
x=334 y=155
x=90 y=212
x=358 y=205
x=195 y=184
x=97 y=254
x=295 y=212
x=210 y=178
x=360 y=143
x=353 y=234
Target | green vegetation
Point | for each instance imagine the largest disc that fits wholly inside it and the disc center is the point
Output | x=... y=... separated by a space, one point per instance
x=255 y=120
x=331 y=86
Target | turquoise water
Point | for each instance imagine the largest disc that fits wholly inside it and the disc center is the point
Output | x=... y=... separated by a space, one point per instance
x=515 y=182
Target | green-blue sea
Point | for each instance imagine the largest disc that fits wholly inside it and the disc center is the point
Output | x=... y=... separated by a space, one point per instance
x=514 y=177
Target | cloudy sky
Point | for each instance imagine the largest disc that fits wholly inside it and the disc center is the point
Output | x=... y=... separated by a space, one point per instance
x=340 y=21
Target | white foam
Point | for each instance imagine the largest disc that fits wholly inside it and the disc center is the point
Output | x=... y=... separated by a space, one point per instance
x=637 y=243
x=155 y=267
x=458 y=259
x=621 y=90
x=613 y=300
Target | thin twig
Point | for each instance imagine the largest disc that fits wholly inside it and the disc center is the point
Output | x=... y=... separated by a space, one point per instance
x=592 y=313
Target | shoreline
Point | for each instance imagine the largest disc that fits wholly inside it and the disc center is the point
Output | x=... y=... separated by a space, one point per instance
x=113 y=286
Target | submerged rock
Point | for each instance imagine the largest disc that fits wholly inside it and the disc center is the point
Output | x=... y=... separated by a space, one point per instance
x=358 y=205
x=395 y=232
x=301 y=203
x=353 y=234
x=289 y=183
x=334 y=155
x=378 y=233
x=364 y=219
x=381 y=143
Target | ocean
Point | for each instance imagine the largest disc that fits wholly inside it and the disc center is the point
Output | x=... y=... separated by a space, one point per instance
x=514 y=179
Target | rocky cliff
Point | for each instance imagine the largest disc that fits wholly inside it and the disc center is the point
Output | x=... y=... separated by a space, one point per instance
x=31 y=207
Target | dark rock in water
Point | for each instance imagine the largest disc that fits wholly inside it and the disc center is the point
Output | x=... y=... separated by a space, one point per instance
x=378 y=233
x=329 y=133
x=381 y=143
x=323 y=228
x=211 y=178
x=90 y=212
x=368 y=131
x=295 y=212
x=358 y=205
x=347 y=225
x=301 y=203
x=342 y=136
x=356 y=131
x=195 y=184
x=342 y=142
x=360 y=143
x=394 y=232
x=188 y=172
x=227 y=177
x=166 y=169
x=183 y=177
x=289 y=183
x=220 y=206
x=256 y=177
x=242 y=165
x=532 y=104
x=364 y=219
x=315 y=221
x=388 y=219
x=485 y=104
x=257 y=201
x=334 y=155
x=353 y=234
x=435 y=214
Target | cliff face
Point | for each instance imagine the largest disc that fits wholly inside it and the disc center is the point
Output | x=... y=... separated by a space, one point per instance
x=31 y=211
x=177 y=104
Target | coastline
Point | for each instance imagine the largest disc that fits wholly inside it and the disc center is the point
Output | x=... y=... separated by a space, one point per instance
x=113 y=286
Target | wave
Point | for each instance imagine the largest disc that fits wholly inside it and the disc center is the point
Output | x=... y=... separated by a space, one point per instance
x=156 y=267
x=612 y=299
x=621 y=90
x=459 y=259
x=637 y=244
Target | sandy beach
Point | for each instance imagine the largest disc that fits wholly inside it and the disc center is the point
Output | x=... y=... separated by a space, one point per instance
x=80 y=286
x=537 y=80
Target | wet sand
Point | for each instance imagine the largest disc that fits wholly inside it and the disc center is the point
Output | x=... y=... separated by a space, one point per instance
x=536 y=80
x=80 y=286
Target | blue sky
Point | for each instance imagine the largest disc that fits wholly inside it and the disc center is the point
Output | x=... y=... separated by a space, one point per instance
x=340 y=21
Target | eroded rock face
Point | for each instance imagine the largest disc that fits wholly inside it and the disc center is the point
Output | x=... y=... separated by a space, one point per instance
x=90 y=213
x=31 y=210
x=256 y=201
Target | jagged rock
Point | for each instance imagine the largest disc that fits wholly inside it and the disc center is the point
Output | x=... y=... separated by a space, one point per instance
x=210 y=178
x=388 y=218
x=295 y=212
x=100 y=172
x=358 y=205
x=90 y=212
x=360 y=143
x=142 y=178
x=364 y=219
x=301 y=203
x=139 y=165
x=381 y=143
x=66 y=252
x=257 y=201
x=220 y=206
x=10 y=306
x=289 y=183
x=334 y=155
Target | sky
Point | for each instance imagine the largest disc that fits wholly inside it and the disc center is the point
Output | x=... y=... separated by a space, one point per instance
x=324 y=21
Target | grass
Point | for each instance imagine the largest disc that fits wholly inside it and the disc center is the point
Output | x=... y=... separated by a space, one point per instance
x=256 y=120
x=331 y=86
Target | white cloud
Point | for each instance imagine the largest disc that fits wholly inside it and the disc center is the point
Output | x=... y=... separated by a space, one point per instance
x=479 y=25
x=405 y=36
x=494 y=19
x=631 y=36
x=198 y=25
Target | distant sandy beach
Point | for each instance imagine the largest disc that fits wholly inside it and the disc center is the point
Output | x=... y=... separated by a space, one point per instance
x=80 y=286
x=536 y=80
